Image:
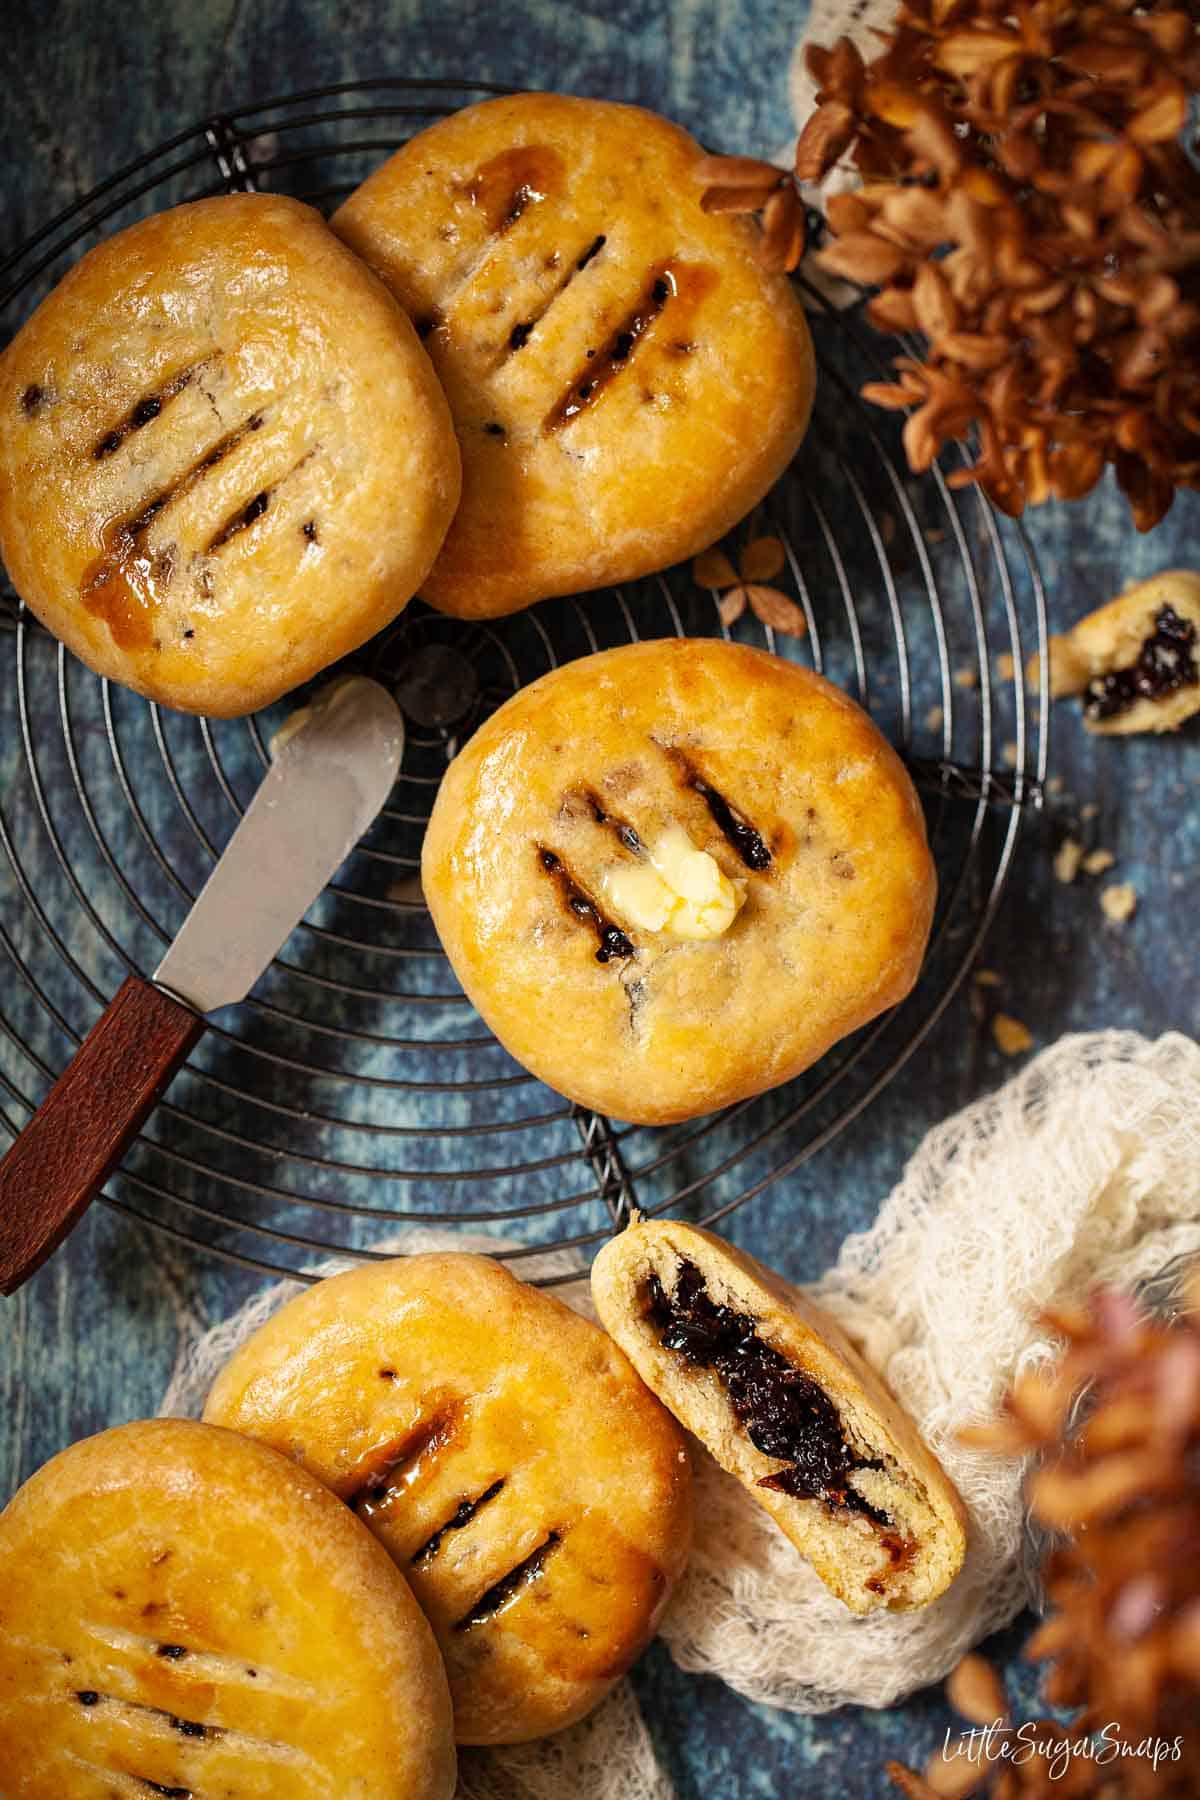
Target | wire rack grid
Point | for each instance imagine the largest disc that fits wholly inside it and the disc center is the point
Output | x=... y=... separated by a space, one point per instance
x=356 y=1094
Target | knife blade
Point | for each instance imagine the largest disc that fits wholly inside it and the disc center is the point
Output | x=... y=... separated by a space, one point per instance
x=333 y=768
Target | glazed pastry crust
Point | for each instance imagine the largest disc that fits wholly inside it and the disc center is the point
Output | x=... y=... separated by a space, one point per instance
x=230 y=1628
x=302 y=452
x=850 y=1554
x=525 y=236
x=831 y=934
x=412 y=1388
x=1111 y=639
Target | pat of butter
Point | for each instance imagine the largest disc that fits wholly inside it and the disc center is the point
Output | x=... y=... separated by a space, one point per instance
x=678 y=889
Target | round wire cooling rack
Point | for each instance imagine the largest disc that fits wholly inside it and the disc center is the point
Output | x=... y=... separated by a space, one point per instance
x=356 y=1093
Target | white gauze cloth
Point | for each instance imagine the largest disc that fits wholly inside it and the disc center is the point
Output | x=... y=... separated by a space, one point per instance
x=1084 y=1168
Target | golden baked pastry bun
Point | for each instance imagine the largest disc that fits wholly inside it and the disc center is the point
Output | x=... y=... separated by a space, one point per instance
x=225 y=459
x=184 y=1612
x=501 y=1448
x=626 y=379
x=774 y=1389
x=671 y=875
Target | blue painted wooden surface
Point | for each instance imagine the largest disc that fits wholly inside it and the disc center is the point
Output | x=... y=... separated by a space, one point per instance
x=91 y=1340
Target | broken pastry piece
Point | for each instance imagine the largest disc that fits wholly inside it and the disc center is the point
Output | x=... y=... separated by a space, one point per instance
x=1135 y=660
x=773 y=1388
x=671 y=875
x=535 y=1496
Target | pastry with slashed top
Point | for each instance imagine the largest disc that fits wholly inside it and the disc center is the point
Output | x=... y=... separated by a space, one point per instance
x=626 y=379
x=673 y=874
x=771 y=1385
x=185 y=1613
x=501 y=1448
x=225 y=459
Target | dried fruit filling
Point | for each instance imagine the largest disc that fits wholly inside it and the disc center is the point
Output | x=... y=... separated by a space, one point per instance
x=1166 y=662
x=784 y=1412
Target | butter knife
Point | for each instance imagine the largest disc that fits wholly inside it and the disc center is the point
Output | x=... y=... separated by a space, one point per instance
x=333 y=767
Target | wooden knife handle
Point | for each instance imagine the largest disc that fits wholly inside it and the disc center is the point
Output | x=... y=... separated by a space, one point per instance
x=87 y=1121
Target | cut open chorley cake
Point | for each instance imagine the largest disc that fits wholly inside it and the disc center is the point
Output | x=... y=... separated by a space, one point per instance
x=774 y=1389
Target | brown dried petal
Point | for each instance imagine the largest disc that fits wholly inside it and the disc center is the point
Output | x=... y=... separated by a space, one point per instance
x=975 y=351
x=1114 y=63
x=1050 y=1639
x=861 y=256
x=972 y=49
x=776 y=610
x=1162 y=120
x=735 y=171
x=1075 y=469
x=762 y=559
x=1140 y=358
x=974 y=1691
x=1040 y=1403
x=713 y=569
x=732 y=605
x=923 y=438
x=1184 y=1650
x=826 y=136
x=892 y=310
x=1093 y=157
x=910 y=1785
x=1123 y=179
x=847 y=212
x=930 y=140
x=1003 y=491
x=1068 y=1498
x=935 y=306
x=736 y=199
x=845 y=71
x=1042 y=300
x=918 y=214
x=885 y=394
x=1002 y=82
x=1158 y=298
x=783 y=235
x=894 y=103
x=1172 y=32
x=955 y=1777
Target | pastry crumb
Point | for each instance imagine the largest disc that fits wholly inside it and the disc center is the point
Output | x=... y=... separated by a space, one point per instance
x=1009 y=754
x=987 y=978
x=934 y=719
x=1096 y=861
x=1091 y=810
x=1011 y=1036
x=1006 y=668
x=1067 y=859
x=1119 y=902
x=1054 y=784
x=966 y=677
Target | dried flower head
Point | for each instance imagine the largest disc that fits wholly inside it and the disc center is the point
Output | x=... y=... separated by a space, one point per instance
x=1028 y=205
x=1123 y=1487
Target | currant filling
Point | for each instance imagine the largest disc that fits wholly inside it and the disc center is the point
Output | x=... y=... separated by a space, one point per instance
x=1166 y=662
x=783 y=1411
